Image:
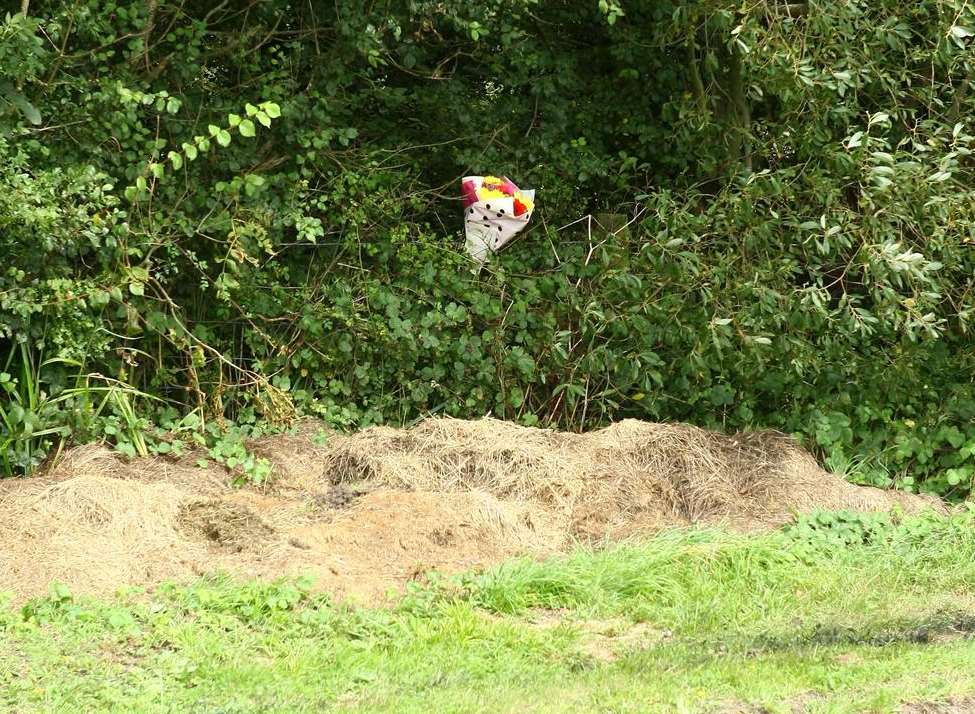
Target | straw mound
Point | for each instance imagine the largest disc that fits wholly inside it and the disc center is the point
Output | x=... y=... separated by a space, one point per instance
x=370 y=511
x=629 y=474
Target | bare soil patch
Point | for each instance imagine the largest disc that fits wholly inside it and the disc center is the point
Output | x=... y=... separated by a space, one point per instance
x=959 y=705
x=368 y=512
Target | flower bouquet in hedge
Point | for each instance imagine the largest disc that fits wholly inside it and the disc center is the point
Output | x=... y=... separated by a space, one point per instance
x=495 y=211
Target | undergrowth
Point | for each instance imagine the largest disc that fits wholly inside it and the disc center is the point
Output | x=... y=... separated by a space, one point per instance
x=750 y=215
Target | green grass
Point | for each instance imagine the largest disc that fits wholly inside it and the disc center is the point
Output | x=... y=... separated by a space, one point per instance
x=687 y=621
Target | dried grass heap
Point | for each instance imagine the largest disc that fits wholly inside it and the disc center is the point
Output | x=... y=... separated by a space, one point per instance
x=672 y=473
x=368 y=512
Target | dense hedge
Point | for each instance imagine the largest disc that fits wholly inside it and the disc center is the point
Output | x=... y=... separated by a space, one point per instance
x=247 y=209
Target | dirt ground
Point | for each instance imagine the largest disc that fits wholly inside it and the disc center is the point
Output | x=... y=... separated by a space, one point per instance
x=368 y=512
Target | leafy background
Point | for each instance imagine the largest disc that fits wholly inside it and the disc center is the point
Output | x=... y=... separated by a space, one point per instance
x=216 y=216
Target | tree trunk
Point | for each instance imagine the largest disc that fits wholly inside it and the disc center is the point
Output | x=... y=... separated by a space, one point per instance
x=738 y=95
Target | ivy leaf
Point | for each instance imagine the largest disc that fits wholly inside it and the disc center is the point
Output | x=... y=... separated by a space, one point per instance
x=176 y=159
x=247 y=128
x=223 y=137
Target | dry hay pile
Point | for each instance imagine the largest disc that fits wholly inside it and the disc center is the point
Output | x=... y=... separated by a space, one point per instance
x=367 y=512
x=629 y=475
x=91 y=523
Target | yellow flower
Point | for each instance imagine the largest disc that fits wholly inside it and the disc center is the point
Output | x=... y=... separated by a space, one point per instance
x=486 y=194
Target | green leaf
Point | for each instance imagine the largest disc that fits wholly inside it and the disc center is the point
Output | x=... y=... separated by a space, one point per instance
x=142 y=184
x=223 y=137
x=20 y=101
x=59 y=591
x=190 y=151
x=263 y=118
x=272 y=109
x=250 y=109
x=131 y=193
x=176 y=159
x=516 y=397
x=214 y=129
x=234 y=119
x=27 y=109
x=247 y=128
x=137 y=288
x=158 y=170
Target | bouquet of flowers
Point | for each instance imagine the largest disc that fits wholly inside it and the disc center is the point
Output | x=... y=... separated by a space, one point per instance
x=495 y=212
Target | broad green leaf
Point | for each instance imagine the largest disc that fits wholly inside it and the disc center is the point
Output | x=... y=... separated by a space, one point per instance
x=247 y=128
x=20 y=101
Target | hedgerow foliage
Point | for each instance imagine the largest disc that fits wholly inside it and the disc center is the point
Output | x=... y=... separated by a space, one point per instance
x=247 y=210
